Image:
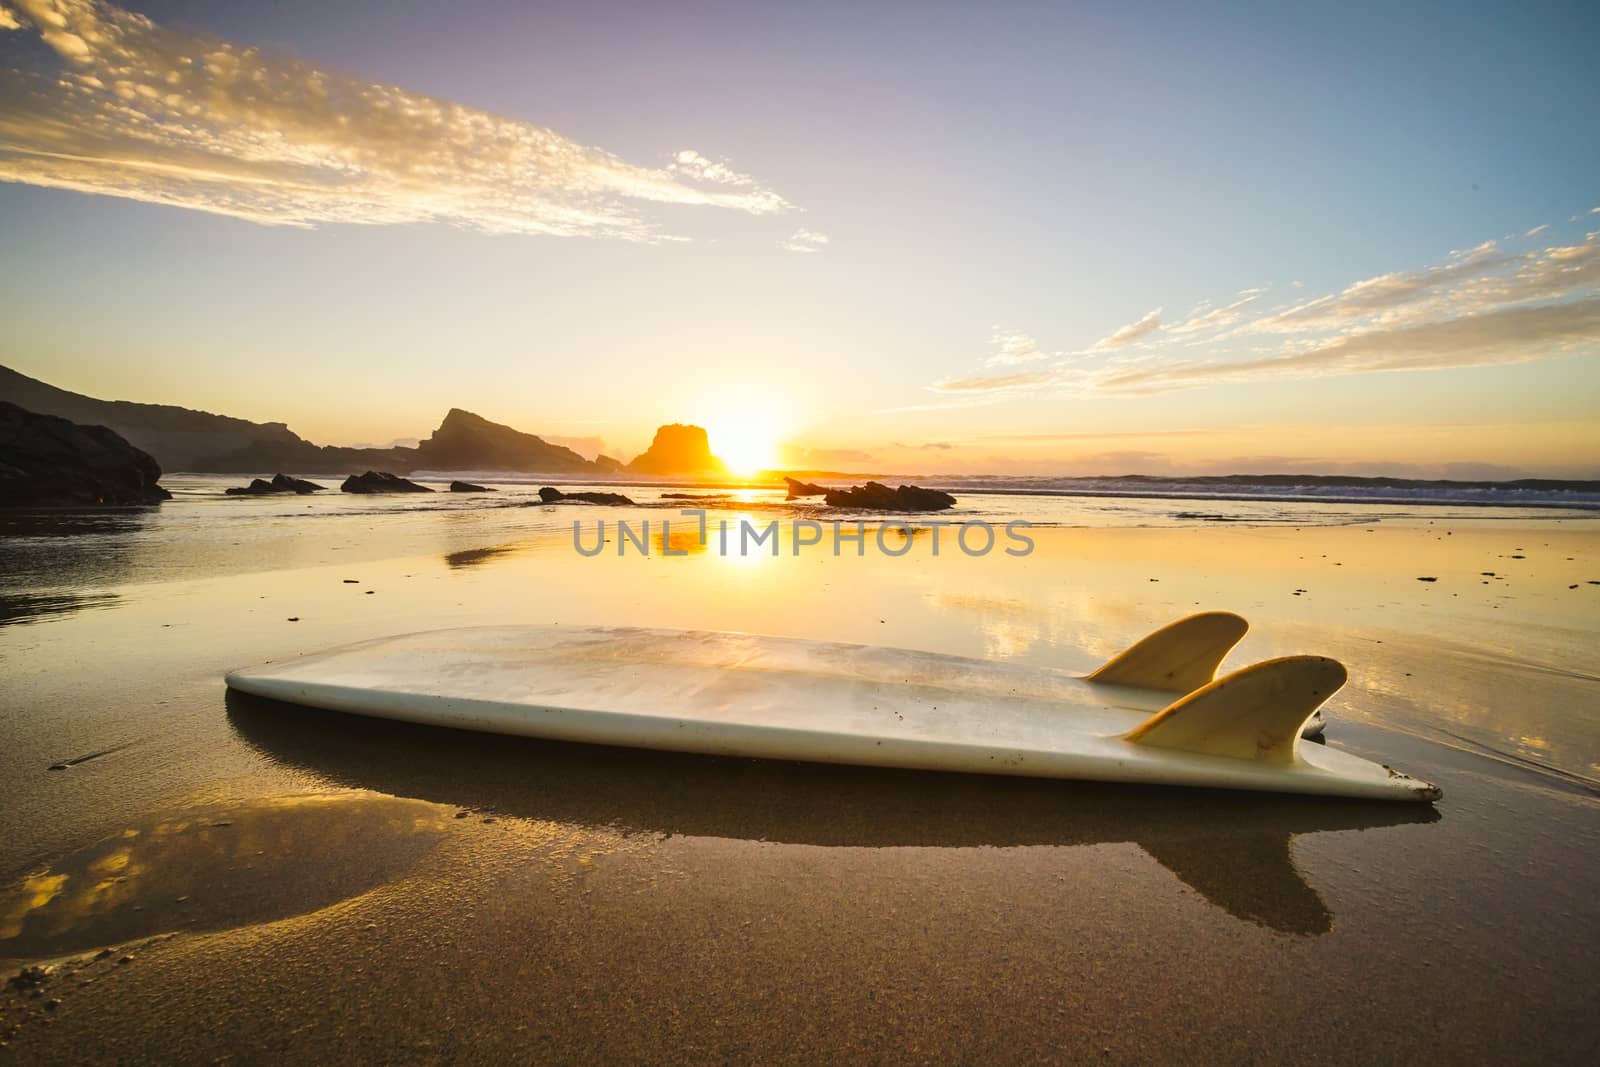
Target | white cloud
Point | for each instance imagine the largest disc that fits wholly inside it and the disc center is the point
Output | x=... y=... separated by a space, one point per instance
x=693 y=164
x=1218 y=318
x=1384 y=293
x=1537 y=230
x=1012 y=348
x=1130 y=334
x=1508 y=335
x=1480 y=307
x=803 y=240
x=177 y=118
x=995 y=383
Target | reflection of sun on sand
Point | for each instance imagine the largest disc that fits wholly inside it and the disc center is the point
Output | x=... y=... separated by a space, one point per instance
x=218 y=868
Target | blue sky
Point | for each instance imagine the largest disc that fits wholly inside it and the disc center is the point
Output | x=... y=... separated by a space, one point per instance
x=1004 y=190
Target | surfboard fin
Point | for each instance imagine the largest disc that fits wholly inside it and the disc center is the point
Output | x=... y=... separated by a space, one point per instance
x=1253 y=713
x=1179 y=658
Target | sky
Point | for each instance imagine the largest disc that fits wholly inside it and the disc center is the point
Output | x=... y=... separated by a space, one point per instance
x=899 y=237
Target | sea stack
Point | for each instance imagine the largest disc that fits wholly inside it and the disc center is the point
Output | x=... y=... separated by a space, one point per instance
x=679 y=449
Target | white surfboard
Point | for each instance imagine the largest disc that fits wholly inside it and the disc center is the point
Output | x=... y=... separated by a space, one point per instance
x=740 y=694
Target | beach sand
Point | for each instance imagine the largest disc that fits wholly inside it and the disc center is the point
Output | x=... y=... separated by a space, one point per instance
x=279 y=885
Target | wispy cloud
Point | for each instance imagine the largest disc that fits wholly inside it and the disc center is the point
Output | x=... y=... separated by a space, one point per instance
x=1012 y=348
x=1218 y=318
x=803 y=240
x=1130 y=334
x=1537 y=230
x=130 y=109
x=996 y=383
x=1510 y=335
x=1386 y=292
x=1479 y=307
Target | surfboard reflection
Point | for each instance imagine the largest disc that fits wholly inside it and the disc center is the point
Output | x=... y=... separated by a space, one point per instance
x=1231 y=848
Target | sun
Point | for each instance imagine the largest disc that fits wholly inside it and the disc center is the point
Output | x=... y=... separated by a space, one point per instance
x=746 y=441
x=744 y=424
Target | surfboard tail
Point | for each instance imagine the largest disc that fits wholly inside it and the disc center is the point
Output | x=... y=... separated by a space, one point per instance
x=1255 y=713
x=1178 y=658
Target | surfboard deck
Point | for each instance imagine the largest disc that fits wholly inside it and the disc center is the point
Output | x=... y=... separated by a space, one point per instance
x=749 y=695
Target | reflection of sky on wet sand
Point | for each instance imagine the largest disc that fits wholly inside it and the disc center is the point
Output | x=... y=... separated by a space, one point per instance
x=217 y=867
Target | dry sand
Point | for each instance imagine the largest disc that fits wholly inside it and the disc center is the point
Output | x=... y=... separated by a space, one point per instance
x=277 y=885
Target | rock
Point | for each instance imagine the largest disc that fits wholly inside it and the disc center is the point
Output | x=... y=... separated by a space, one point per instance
x=381 y=482
x=281 y=483
x=465 y=441
x=678 y=449
x=606 y=465
x=468 y=487
x=47 y=461
x=875 y=496
x=29 y=978
x=798 y=489
x=554 y=496
x=284 y=483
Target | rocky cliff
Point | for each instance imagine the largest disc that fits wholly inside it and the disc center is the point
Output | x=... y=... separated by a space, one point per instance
x=465 y=441
x=678 y=449
x=184 y=439
x=179 y=438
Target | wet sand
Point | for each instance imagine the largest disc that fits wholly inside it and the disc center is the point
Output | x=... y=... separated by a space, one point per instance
x=281 y=885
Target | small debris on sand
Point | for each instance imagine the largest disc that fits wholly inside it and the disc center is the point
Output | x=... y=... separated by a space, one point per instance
x=30 y=977
x=1427 y=579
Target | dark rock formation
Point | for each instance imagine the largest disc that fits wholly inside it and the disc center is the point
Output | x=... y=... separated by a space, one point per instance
x=556 y=496
x=876 y=496
x=182 y=439
x=177 y=438
x=302 y=455
x=468 y=487
x=284 y=483
x=465 y=441
x=46 y=461
x=381 y=482
x=798 y=489
x=678 y=449
x=281 y=483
